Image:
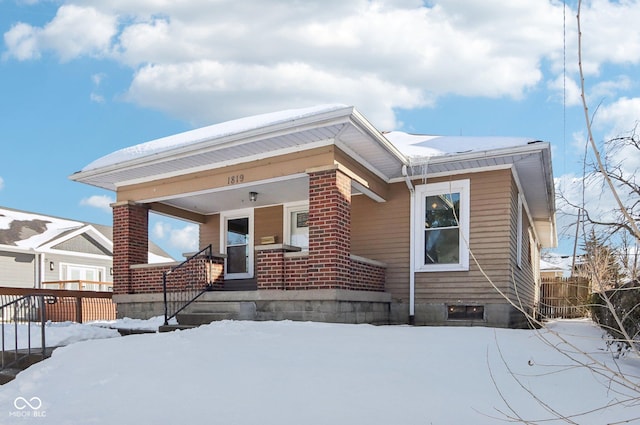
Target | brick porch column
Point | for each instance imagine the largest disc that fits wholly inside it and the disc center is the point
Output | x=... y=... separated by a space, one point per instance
x=130 y=242
x=329 y=228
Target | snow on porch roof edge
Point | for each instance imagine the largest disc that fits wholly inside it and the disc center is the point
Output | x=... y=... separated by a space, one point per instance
x=199 y=135
x=402 y=147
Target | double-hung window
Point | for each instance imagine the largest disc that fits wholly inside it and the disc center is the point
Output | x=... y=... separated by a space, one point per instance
x=442 y=226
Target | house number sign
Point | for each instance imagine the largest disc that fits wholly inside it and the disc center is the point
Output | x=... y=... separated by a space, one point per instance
x=235 y=179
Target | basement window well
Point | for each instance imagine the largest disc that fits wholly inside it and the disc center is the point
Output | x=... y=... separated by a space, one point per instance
x=465 y=312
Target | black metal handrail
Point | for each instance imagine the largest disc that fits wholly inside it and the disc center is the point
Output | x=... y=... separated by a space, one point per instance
x=184 y=283
x=26 y=309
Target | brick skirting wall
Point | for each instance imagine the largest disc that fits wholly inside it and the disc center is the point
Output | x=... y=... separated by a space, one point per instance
x=147 y=278
x=280 y=267
x=366 y=276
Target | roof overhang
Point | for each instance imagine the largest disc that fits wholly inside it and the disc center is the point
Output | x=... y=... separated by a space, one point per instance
x=344 y=127
x=338 y=125
x=531 y=165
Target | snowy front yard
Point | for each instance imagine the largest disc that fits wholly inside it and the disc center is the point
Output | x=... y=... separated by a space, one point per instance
x=236 y=373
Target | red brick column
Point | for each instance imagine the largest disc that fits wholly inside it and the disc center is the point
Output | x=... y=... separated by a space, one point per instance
x=329 y=229
x=130 y=242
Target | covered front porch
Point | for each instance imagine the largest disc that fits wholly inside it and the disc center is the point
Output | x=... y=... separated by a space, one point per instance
x=313 y=280
x=272 y=197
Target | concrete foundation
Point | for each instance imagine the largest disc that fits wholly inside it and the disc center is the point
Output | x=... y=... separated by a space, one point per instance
x=139 y=306
x=495 y=315
x=322 y=305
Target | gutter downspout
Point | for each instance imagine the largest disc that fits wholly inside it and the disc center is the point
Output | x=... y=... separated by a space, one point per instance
x=39 y=269
x=412 y=274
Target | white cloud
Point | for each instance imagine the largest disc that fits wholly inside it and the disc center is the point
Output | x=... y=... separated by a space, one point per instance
x=102 y=202
x=232 y=90
x=1 y=183
x=621 y=116
x=566 y=90
x=96 y=98
x=74 y=31
x=183 y=238
x=209 y=61
x=590 y=193
x=161 y=229
x=609 y=31
x=572 y=192
x=22 y=42
x=98 y=78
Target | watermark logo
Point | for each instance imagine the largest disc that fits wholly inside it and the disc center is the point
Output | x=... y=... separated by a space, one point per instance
x=28 y=408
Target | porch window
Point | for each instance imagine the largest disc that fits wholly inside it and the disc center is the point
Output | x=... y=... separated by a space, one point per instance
x=442 y=226
x=296 y=225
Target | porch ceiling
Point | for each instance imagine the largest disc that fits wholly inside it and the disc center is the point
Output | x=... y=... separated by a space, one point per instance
x=237 y=197
x=275 y=192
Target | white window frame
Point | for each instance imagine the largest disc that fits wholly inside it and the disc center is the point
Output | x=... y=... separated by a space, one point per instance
x=432 y=189
x=288 y=209
x=67 y=268
x=224 y=216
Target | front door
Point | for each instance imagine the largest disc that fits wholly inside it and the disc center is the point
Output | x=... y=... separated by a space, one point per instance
x=238 y=242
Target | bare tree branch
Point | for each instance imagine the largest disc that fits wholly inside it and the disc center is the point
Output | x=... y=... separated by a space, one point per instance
x=630 y=221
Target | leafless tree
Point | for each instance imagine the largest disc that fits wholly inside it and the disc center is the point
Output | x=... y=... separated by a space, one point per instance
x=620 y=181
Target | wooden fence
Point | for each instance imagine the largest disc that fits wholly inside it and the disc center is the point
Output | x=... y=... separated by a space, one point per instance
x=564 y=298
x=64 y=305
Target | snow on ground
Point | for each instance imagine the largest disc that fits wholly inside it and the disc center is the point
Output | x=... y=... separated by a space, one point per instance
x=241 y=372
x=65 y=333
x=56 y=334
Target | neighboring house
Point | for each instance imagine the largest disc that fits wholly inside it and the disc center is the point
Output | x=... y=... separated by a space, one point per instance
x=320 y=216
x=36 y=249
x=549 y=270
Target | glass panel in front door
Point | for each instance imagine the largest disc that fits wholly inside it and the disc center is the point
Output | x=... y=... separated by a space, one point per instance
x=238 y=245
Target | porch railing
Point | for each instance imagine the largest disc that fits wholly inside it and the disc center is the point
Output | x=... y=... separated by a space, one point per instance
x=66 y=305
x=184 y=283
x=79 y=285
x=23 y=311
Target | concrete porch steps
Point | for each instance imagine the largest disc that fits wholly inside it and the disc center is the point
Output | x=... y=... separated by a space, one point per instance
x=204 y=312
x=9 y=374
x=171 y=328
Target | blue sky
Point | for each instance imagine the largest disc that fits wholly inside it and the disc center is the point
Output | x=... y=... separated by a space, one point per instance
x=83 y=78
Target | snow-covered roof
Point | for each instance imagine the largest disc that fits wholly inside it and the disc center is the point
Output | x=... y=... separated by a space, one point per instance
x=426 y=146
x=30 y=231
x=27 y=231
x=199 y=135
x=546 y=266
x=386 y=155
x=554 y=261
x=411 y=145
